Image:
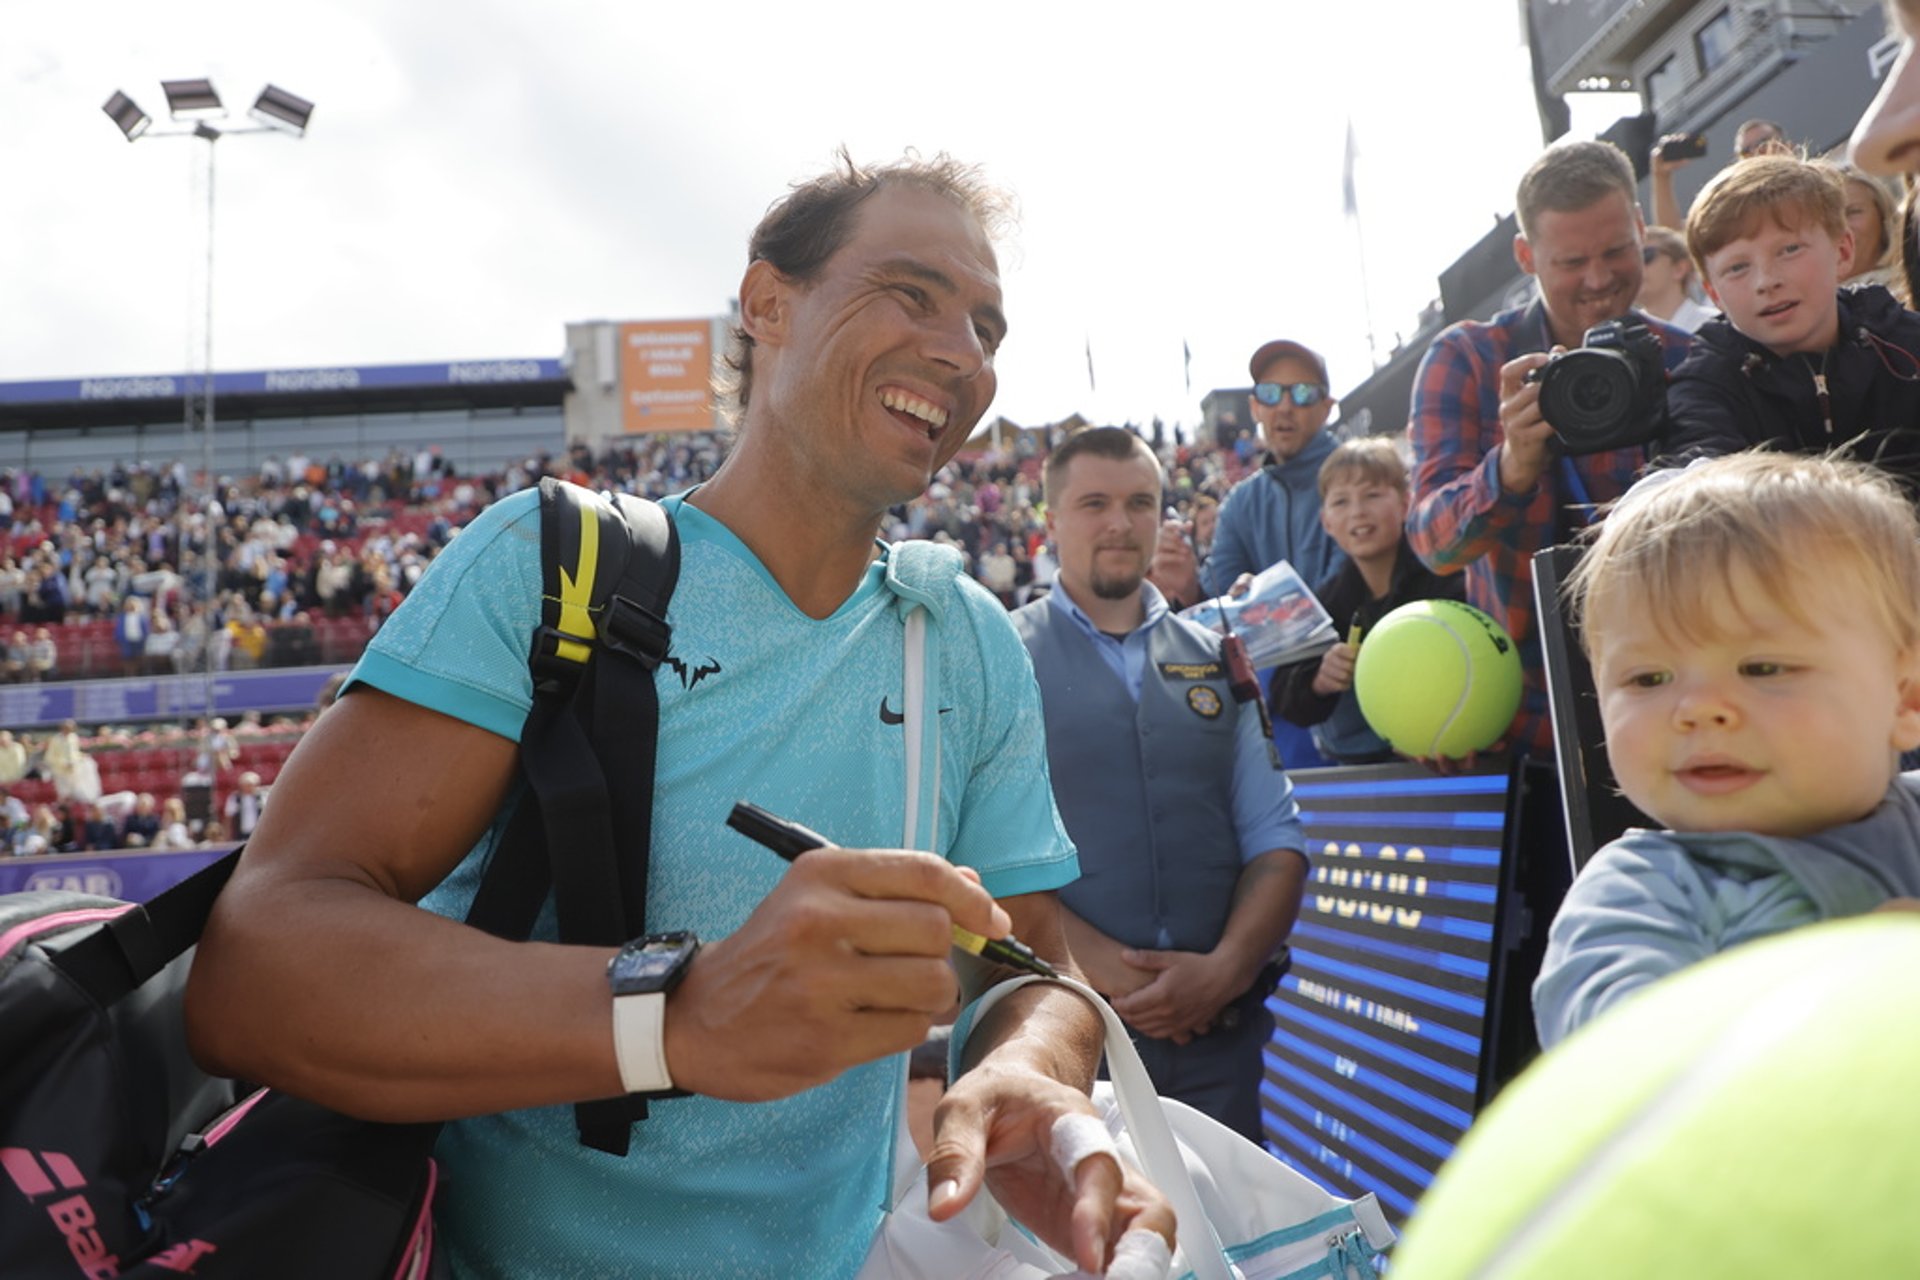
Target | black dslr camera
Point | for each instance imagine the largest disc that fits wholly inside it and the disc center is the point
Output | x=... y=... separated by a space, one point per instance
x=1610 y=393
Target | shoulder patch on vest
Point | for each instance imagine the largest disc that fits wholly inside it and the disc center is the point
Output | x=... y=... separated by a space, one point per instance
x=1204 y=702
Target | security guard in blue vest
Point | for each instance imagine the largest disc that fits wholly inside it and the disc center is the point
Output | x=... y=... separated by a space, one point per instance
x=1191 y=852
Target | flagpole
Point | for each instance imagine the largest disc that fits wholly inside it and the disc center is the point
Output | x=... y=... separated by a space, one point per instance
x=1366 y=294
x=1186 y=366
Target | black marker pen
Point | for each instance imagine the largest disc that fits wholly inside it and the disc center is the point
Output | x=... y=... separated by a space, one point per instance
x=790 y=840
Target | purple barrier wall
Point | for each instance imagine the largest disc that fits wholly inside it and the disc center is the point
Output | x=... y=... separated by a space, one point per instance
x=132 y=877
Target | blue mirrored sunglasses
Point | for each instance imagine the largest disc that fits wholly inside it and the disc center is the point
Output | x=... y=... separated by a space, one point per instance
x=1304 y=394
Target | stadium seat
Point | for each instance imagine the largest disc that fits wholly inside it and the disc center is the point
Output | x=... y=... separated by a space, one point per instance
x=1595 y=810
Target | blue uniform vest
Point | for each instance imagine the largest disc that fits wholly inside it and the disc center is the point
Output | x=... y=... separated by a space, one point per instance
x=1146 y=790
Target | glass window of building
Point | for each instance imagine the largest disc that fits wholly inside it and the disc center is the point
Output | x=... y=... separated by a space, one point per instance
x=1664 y=83
x=1715 y=42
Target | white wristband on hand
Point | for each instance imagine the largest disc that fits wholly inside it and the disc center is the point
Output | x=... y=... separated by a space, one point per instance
x=1076 y=1136
x=640 y=1042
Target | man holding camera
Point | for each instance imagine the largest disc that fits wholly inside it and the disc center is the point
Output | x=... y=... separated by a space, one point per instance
x=1493 y=483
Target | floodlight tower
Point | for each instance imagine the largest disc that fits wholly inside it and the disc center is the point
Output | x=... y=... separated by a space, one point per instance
x=197 y=112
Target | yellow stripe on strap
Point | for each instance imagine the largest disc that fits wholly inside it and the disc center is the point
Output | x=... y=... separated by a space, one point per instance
x=575 y=591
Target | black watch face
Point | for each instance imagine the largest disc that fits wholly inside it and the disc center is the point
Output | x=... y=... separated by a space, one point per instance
x=650 y=964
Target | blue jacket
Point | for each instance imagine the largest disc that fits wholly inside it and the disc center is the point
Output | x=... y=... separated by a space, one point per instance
x=1653 y=902
x=1272 y=515
x=1733 y=394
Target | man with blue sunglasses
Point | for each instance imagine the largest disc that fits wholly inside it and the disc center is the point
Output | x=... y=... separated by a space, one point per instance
x=1273 y=514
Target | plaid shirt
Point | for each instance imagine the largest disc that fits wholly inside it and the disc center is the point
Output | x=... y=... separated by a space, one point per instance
x=1463 y=521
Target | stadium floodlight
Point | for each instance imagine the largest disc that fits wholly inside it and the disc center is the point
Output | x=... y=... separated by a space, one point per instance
x=126 y=113
x=276 y=104
x=196 y=105
x=188 y=99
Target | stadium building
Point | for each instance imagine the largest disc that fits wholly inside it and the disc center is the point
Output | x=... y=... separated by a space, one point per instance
x=638 y=377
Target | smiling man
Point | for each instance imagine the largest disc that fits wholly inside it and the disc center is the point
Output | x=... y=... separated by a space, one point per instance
x=1490 y=484
x=1192 y=855
x=337 y=965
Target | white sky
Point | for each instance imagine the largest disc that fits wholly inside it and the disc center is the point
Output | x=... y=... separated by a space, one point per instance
x=480 y=173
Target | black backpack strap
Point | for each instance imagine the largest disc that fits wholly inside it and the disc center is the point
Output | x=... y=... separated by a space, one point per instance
x=626 y=712
x=565 y=807
x=141 y=941
x=609 y=569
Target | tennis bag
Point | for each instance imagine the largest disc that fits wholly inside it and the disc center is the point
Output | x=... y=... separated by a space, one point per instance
x=123 y=1158
x=120 y=1157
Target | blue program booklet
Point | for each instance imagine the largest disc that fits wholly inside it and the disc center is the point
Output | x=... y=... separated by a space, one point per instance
x=1278 y=619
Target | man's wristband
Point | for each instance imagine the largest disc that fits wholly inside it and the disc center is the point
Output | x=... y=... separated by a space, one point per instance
x=641 y=975
x=640 y=1043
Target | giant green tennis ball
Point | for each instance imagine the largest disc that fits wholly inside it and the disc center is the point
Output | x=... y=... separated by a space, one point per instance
x=1438 y=678
x=1753 y=1116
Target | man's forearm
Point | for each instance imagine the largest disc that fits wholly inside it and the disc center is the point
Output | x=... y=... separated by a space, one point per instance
x=1666 y=206
x=1452 y=526
x=1042 y=1027
x=293 y=1010
x=1266 y=903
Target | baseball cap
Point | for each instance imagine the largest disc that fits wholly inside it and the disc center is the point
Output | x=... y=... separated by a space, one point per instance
x=1271 y=351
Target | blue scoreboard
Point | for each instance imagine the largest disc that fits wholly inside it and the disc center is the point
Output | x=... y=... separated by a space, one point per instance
x=1382 y=1049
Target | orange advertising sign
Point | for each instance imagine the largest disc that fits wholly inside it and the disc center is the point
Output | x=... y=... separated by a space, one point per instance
x=666 y=375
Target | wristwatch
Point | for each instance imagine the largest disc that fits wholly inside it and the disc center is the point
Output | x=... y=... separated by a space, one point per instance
x=641 y=974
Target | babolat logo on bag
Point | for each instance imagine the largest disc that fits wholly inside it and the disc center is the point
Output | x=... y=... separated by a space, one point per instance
x=48 y=1174
x=52 y=1182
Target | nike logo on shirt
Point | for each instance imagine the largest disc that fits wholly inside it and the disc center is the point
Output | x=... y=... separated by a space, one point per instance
x=890 y=716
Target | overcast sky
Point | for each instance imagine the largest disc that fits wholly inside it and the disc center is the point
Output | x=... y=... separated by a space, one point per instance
x=480 y=173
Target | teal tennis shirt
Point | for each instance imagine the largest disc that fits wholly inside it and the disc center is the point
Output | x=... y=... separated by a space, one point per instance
x=757 y=702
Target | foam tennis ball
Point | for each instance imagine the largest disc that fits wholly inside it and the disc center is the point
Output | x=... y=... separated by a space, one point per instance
x=1438 y=678
x=1751 y=1116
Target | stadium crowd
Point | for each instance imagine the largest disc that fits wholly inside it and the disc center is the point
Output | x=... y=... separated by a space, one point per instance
x=104 y=573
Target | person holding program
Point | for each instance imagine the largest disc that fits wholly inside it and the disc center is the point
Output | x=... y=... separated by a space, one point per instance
x=1797 y=364
x=1273 y=513
x=1363 y=505
x=1754 y=628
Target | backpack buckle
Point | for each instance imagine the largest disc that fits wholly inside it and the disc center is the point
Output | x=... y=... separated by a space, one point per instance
x=628 y=628
x=554 y=666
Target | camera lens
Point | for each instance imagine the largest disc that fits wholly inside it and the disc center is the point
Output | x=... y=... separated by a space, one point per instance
x=1588 y=397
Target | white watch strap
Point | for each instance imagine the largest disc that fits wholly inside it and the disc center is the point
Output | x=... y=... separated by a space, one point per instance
x=640 y=1042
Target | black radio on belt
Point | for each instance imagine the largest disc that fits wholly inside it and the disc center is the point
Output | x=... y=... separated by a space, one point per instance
x=1240 y=678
